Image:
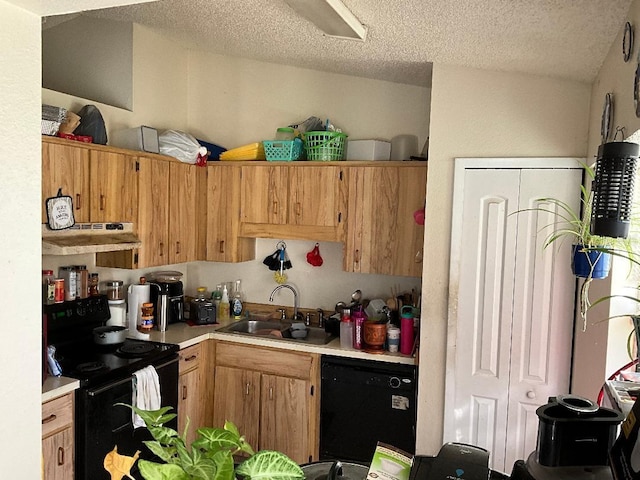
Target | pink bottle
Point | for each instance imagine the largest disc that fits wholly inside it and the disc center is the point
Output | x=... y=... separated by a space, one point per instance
x=406 y=330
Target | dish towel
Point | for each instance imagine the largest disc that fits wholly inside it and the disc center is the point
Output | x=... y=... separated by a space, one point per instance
x=146 y=393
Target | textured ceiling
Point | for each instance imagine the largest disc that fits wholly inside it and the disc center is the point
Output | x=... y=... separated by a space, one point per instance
x=562 y=38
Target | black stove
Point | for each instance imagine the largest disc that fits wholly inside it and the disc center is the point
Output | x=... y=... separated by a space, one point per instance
x=106 y=375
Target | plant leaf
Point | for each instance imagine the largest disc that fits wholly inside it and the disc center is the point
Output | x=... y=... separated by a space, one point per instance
x=270 y=465
x=118 y=465
x=161 y=471
x=166 y=454
x=214 y=439
x=223 y=461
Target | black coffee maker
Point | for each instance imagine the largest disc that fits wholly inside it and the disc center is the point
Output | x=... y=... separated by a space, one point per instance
x=574 y=439
x=167 y=296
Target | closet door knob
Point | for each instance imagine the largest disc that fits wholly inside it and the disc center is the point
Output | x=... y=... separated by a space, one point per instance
x=531 y=394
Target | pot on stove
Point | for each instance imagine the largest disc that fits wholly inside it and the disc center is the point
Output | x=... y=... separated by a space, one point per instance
x=336 y=470
x=109 y=335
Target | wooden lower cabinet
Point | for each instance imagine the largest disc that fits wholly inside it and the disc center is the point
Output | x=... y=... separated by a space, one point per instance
x=58 y=438
x=194 y=391
x=272 y=397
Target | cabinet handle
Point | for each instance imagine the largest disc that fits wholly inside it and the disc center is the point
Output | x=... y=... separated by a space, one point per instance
x=275 y=208
x=60 y=456
x=191 y=358
x=246 y=392
x=298 y=209
x=356 y=257
x=270 y=393
x=221 y=246
x=177 y=248
x=184 y=392
x=49 y=419
x=161 y=254
x=77 y=201
x=102 y=202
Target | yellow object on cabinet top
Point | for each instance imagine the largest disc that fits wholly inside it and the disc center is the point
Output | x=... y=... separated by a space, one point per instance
x=252 y=151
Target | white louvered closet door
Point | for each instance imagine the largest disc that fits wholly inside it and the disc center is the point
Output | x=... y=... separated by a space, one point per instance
x=511 y=304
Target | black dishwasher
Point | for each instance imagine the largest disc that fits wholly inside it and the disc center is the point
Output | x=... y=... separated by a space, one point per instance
x=364 y=402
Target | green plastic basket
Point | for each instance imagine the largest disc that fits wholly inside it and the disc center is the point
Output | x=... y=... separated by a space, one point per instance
x=325 y=146
x=282 y=150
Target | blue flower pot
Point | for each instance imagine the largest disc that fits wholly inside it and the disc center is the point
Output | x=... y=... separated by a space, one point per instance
x=590 y=263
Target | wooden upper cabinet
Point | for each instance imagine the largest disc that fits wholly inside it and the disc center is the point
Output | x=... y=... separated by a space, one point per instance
x=183 y=194
x=382 y=236
x=295 y=201
x=223 y=241
x=66 y=167
x=153 y=212
x=264 y=194
x=114 y=187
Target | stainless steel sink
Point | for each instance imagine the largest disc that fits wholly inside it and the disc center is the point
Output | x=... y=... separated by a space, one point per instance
x=278 y=330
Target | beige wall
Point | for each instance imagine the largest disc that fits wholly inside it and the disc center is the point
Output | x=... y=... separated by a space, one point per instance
x=601 y=349
x=20 y=352
x=476 y=113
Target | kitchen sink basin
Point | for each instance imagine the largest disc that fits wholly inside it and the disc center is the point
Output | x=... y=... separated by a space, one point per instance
x=277 y=329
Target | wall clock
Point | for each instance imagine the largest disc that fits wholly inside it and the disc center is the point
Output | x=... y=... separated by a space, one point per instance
x=627 y=42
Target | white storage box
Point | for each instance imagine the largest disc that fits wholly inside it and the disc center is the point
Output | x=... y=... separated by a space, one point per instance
x=139 y=138
x=368 y=150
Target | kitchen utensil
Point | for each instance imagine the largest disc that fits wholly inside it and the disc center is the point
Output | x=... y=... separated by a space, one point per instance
x=335 y=471
x=109 y=335
x=356 y=296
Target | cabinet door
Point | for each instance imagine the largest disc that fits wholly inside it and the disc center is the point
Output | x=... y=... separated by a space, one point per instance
x=182 y=212
x=66 y=167
x=264 y=194
x=114 y=187
x=284 y=418
x=57 y=453
x=190 y=404
x=237 y=399
x=382 y=235
x=314 y=197
x=224 y=243
x=153 y=212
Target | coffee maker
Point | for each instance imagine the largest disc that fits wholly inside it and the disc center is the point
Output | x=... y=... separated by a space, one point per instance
x=167 y=296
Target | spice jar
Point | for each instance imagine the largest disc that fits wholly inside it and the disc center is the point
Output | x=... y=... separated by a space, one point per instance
x=114 y=290
x=69 y=276
x=94 y=281
x=48 y=287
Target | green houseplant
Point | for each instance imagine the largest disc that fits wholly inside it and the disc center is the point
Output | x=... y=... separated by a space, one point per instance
x=210 y=456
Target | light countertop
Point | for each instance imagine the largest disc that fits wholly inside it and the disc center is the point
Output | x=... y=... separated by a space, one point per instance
x=185 y=336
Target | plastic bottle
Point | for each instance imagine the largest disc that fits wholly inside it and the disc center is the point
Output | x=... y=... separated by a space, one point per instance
x=224 y=305
x=346 y=330
x=406 y=330
x=236 y=302
x=358 y=319
x=48 y=287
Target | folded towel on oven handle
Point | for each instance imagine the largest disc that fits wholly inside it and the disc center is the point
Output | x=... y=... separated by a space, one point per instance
x=146 y=393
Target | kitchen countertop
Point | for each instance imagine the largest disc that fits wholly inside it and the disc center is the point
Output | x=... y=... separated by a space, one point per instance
x=185 y=336
x=54 y=387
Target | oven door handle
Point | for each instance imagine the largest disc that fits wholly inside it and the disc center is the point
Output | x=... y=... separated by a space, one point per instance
x=98 y=391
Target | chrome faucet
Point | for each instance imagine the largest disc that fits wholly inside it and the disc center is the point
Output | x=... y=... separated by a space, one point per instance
x=295 y=298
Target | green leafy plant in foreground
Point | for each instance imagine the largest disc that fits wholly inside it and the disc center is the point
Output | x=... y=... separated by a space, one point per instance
x=210 y=456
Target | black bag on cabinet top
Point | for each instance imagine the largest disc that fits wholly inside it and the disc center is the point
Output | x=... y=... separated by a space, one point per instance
x=92 y=124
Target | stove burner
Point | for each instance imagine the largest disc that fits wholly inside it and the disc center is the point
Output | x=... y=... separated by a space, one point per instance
x=90 y=367
x=135 y=349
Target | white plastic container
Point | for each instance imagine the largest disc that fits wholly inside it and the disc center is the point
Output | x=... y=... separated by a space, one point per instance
x=368 y=150
x=346 y=334
x=141 y=138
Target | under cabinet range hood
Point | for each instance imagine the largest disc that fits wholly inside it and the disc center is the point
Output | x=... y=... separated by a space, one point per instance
x=89 y=238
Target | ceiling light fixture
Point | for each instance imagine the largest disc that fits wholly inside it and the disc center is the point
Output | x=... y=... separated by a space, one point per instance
x=330 y=16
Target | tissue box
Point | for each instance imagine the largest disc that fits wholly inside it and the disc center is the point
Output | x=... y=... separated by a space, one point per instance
x=138 y=138
x=368 y=150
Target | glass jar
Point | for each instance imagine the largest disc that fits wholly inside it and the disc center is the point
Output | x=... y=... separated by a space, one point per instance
x=48 y=287
x=69 y=275
x=114 y=289
x=94 y=281
x=82 y=281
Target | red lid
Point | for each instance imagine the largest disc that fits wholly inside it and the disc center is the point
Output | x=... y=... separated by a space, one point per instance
x=47 y=272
